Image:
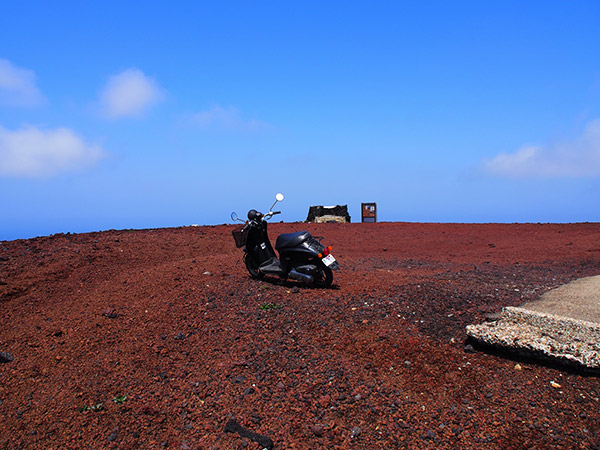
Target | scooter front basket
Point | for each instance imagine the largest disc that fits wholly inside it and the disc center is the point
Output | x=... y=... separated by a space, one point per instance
x=240 y=234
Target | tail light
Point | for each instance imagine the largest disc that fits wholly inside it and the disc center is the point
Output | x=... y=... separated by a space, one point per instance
x=326 y=251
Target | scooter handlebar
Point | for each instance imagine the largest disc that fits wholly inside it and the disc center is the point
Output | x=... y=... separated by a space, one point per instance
x=270 y=214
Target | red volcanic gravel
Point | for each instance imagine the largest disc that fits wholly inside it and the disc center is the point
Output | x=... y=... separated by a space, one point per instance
x=210 y=359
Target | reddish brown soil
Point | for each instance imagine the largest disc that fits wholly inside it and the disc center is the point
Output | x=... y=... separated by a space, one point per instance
x=171 y=319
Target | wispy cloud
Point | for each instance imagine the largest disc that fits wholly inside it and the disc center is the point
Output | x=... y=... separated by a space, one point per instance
x=18 y=86
x=227 y=119
x=129 y=94
x=31 y=152
x=579 y=157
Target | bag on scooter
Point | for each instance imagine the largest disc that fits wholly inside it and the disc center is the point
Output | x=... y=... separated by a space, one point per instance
x=240 y=235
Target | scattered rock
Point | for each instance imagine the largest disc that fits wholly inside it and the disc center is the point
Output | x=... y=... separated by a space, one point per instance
x=430 y=436
x=355 y=432
x=239 y=379
x=555 y=385
x=113 y=435
x=493 y=317
x=149 y=410
x=518 y=367
x=180 y=337
x=110 y=313
x=318 y=430
x=6 y=357
x=469 y=349
x=233 y=426
x=295 y=290
x=324 y=400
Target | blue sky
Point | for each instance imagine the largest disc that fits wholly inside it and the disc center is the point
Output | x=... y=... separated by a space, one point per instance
x=158 y=114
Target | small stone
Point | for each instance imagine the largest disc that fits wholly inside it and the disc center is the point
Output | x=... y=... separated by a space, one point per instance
x=407 y=363
x=207 y=273
x=355 y=432
x=184 y=446
x=280 y=385
x=318 y=430
x=110 y=313
x=113 y=435
x=518 y=367
x=6 y=357
x=239 y=379
x=555 y=385
x=324 y=400
x=469 y=348
x=430 y=435
x=493 y=317
x=180 y=337
x=295 y=290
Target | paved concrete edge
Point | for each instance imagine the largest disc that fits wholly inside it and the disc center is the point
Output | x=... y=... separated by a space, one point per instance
x=556 y=337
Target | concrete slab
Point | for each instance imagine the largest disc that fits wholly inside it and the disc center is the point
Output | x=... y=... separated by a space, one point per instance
x=563 y=324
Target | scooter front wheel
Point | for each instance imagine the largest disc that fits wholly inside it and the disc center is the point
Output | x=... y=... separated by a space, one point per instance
x=324 y=277
x=252 y=267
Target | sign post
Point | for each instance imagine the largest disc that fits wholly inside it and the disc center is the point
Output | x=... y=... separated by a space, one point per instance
x=369 y=212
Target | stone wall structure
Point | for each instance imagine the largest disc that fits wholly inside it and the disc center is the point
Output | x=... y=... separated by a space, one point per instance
x=321 y=214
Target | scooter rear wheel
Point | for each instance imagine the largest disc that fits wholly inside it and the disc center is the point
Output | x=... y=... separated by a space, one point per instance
x=324 y=278
x=252 y=268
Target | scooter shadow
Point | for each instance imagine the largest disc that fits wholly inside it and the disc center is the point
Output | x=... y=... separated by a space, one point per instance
x=291 y=284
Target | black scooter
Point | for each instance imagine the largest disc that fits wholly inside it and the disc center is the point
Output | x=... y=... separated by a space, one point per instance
x=302 y=257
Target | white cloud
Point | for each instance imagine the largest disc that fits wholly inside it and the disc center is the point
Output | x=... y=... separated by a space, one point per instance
x=226 y=118
x=31 y=152
x=17 y=86
x=579 y=157
x=129 y=94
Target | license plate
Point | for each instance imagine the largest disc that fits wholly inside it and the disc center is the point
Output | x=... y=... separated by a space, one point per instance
x=328 y=260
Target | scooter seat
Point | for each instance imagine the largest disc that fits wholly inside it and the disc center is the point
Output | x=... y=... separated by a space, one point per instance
x=291 y=239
